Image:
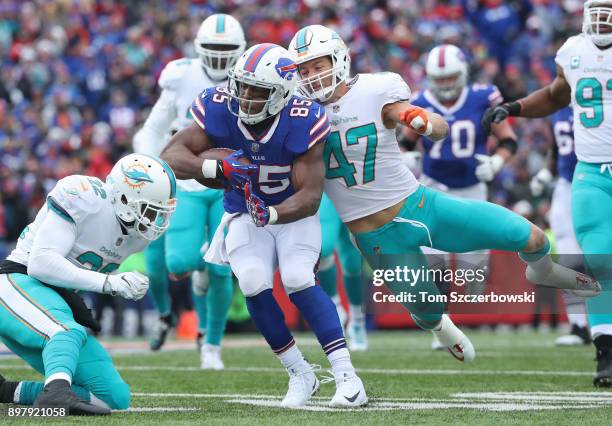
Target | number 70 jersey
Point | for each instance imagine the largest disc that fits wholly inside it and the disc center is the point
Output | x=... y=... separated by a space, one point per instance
x=364 y=173
x=588 y=71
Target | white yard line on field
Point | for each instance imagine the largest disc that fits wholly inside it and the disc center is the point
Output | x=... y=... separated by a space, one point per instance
x=386 y=371
x=477 y=401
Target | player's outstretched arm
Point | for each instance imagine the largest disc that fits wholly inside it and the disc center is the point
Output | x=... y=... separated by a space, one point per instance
x=307 y=178
x=182 y=152
x=421 y=121
x=541 y=103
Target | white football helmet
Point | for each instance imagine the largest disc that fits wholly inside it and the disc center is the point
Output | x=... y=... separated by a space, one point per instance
x=597 y=21
x=265 y=66
x=315 y=41
x=219 y=43
x=446 y=61
x=143 y=191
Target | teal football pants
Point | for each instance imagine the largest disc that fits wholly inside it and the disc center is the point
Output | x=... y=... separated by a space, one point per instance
x=194 y=223
x=438 y=220
x=592 y=218
x=34 y=322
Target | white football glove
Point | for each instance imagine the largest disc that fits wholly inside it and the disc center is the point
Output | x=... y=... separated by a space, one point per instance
x=199 y=282
x=412 y=160
x=540 y=181
x=489 y=166
x=129 y=285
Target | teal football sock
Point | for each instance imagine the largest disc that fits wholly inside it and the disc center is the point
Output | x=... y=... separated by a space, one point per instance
x=327 y=280
x=61 y=352
x=199 y=304
x=218 y=303
x=352 y=285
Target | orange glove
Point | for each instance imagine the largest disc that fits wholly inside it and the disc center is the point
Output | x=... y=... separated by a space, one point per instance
x=416 y=119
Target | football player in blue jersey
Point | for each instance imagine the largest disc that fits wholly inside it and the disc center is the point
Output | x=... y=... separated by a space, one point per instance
x=271 y=206
x=460 y=164
x=562 y=162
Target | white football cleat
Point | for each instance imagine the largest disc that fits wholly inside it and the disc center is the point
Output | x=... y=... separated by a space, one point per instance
x=436 y=345
x=350 y=392
x=303 y=384
x=357 y=336
x=210 y=357
x=560 y=276
x=457 y=343
x=569 y=340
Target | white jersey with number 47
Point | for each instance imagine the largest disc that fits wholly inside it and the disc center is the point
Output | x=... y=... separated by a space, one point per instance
x=364 y=172
x=588 y=71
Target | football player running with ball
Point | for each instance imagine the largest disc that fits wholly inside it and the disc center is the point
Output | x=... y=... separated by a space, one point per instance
x=85 y=229
x=583 y=80
x=379 y=199
x=271 y=206
x=219 y=43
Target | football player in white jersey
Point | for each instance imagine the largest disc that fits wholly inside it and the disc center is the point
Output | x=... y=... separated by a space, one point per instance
x=219 y=43
x=389 y=214
x=584 y=81
x=459 y=164
x=82 y=233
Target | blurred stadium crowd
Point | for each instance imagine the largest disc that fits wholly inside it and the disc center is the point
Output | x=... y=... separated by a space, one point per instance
x=78 y=77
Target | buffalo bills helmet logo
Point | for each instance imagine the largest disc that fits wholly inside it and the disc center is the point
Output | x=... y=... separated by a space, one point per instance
x=286 y=68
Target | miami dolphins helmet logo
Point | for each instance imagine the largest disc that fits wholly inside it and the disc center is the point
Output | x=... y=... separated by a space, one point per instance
x=136 y=176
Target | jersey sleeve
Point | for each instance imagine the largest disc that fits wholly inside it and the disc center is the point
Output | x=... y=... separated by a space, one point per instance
x=565 y=53
x=76 y=197
x=392 y=88
x=310 y=130
x=202 y=108
x=493 y=96
x=173 y=73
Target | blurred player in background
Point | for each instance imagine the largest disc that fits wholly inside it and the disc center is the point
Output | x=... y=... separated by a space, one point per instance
x=336 y=238
x=562 y=162
x=460 y=164
x=583 y=79
x=381 y=202
x=219 y=43
x=271 y=207
x=82 y=233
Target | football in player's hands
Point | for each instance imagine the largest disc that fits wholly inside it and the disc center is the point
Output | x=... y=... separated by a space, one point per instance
x=221 y=155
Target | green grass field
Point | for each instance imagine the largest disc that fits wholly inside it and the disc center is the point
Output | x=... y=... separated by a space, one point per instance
x=518 y=378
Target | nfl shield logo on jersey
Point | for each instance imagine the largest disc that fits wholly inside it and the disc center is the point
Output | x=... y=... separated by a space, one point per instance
x=254 y=147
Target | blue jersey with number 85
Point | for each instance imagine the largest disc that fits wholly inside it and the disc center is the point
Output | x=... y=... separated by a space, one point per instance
x=299 y=126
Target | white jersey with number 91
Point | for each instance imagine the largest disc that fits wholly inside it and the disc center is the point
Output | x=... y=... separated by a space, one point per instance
x=364 y=172
x=588 y=71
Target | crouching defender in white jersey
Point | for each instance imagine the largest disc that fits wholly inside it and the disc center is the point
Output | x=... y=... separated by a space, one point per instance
x=584 y=81
x=381 y=202
x=219 y=43
x=79 y=237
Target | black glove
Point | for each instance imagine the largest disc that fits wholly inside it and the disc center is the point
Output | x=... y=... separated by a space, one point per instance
x=498 y=114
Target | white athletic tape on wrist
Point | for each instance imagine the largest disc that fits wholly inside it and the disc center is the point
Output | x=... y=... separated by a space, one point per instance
x=273 y=216
x=209 y=169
